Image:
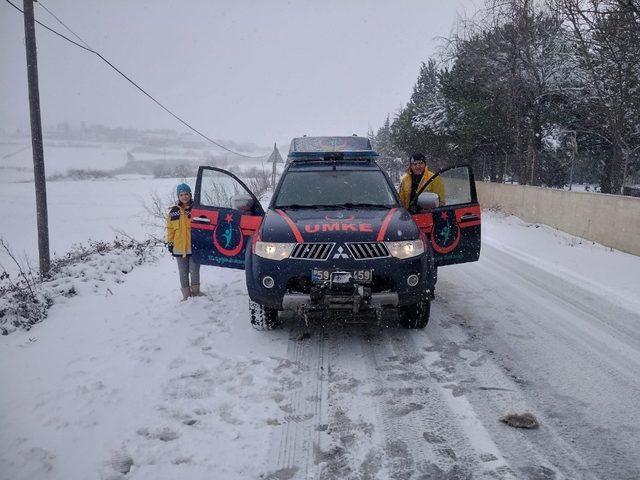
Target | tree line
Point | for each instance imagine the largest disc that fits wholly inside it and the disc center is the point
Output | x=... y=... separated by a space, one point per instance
x=535 y=92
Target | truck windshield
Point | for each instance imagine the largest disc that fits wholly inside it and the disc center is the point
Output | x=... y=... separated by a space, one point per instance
x=335 y=189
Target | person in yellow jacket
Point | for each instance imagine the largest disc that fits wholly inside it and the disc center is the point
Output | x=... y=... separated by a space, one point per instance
x=416 y=177
x=178 y=242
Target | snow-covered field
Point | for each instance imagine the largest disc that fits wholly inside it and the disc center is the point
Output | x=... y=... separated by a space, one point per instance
x=81 y=210
x=17 y=164
x=123 y=381
x=16 y=161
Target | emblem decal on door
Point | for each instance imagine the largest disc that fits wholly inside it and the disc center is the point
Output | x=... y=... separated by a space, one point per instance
x=227 y=237
x=445 y=234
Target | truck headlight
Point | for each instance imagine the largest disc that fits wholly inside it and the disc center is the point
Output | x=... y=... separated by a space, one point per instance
x=273 y=250
x=405 y=249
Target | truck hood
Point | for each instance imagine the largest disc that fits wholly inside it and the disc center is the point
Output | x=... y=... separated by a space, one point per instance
x=338 y=225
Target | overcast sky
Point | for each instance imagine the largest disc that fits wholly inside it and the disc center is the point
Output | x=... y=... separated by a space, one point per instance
x=258 y=71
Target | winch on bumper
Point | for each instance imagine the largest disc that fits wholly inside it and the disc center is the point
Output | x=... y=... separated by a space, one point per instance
x=348 y=296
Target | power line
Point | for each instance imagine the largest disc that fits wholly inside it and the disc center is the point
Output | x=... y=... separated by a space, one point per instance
x=88 y=49
x=63 y=24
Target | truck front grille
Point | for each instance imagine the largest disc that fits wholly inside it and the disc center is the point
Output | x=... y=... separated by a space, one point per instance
x=312 y=251
x=366 y=250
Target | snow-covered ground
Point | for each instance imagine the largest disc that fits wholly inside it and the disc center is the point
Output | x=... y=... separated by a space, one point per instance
x=123 y=381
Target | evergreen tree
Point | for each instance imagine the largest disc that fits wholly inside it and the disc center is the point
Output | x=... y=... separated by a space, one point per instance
x=535 y=94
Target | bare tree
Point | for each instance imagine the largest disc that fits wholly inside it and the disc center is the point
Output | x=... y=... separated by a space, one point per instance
x=531 y=51
x=607 y=37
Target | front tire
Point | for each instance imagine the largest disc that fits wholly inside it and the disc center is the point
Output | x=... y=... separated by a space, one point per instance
x=263 y=317
x=416 y=315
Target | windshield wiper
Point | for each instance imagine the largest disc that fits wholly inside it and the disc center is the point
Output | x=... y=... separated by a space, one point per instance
x=296 y=205
x=337 y=205
x=362 y=205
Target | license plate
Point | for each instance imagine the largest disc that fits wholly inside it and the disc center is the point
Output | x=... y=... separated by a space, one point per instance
x=358 y=276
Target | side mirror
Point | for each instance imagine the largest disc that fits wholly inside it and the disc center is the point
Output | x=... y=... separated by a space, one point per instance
x=242 y=202
x=428 y=201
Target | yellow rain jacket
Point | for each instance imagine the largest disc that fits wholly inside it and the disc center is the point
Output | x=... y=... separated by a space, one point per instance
x=179 y=229
x=437 y=186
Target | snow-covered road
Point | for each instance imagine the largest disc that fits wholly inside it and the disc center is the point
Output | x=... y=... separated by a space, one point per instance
x=126 y=382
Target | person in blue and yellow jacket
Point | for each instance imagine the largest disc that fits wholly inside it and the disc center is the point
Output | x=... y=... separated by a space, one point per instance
x=416 y=177
x=178 y=242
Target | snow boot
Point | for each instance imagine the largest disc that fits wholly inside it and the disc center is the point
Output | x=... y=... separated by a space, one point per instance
x=186 y=293
x=195 y=291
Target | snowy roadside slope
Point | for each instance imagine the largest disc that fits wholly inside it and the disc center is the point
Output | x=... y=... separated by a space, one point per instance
x=595 y=267
x=138 y=374
x=138 y=382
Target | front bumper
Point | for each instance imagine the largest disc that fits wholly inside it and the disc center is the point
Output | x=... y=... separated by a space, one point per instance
x=293 y=289
x=332 y=301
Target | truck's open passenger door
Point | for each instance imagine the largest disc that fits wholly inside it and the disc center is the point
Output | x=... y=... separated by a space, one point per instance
x=453 y=227
x=224 y=217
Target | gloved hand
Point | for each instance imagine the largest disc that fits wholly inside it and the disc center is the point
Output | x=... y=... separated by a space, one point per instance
x=169 y=247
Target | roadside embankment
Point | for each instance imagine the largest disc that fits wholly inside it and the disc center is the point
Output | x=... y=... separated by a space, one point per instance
x=610 y=220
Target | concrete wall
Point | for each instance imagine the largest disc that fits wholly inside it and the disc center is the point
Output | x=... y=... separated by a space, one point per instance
x=611 y=220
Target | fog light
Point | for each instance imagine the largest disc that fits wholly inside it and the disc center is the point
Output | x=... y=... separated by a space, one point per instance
x=268 y=282
x=412 y=280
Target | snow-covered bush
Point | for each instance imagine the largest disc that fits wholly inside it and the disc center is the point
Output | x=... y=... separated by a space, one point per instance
x=25 y=297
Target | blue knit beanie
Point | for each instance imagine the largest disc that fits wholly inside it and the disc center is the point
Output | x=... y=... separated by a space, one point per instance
x=183 y=188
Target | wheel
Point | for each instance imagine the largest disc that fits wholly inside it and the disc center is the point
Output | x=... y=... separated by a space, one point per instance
x=416 y=315
x=263 y=317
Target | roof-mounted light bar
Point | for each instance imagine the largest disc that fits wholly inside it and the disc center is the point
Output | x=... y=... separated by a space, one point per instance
x=366 y=155
x=330 y=144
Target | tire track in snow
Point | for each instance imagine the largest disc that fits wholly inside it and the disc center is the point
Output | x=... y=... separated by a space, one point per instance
x=438 y=432
x=389 y=418
x=568 y=351
x=291 y=449
x=350 y=448
x=611 y=326
x=584 y=323
x=475 y=387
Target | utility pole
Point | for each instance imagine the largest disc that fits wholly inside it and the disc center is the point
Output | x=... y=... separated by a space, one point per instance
x=36 y=139
x=573 y=143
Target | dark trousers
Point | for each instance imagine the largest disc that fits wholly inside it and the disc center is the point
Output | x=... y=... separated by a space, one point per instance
x=187 y=267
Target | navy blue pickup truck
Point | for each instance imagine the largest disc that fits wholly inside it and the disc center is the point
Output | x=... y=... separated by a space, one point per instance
x=335 y=240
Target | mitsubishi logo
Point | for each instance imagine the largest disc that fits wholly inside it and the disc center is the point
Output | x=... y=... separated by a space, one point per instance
x=341 y=253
